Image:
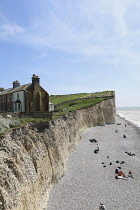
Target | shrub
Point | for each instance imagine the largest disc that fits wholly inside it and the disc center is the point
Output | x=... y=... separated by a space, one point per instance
x=1 y=130
x=14 y=123
x=6 y=123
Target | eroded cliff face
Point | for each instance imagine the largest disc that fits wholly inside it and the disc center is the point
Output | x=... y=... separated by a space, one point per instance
x=33 y=158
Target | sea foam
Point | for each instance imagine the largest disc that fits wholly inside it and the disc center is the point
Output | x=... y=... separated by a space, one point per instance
x=130 y=114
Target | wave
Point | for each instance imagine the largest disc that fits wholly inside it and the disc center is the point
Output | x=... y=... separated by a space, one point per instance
x=131 y=115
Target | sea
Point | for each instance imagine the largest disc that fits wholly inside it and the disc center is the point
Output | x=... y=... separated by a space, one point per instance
x=132 y=114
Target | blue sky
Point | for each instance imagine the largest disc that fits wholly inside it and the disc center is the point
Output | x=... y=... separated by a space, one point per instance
x=74 y=46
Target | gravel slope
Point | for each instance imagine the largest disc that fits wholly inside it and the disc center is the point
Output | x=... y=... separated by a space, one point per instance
x=87 y=183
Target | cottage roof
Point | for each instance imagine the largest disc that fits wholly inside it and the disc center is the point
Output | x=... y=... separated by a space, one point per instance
x=5 y=91
x=20 y=88
x=16 y=89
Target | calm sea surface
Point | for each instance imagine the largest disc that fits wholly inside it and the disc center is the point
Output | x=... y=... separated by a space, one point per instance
x=131 y=114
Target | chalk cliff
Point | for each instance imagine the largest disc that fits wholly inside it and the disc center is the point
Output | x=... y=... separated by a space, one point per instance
x=33 y=158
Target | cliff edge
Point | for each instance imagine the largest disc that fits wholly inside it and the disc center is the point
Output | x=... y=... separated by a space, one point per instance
x=33 y=158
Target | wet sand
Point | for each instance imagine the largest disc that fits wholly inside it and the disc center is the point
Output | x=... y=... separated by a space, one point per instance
x=87 y=181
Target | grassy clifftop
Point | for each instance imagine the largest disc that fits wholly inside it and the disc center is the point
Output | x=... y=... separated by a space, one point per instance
x=57 y=99
x=73 y=102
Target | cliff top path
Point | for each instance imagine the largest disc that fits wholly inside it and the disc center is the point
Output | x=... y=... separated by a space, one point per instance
x=87 y=181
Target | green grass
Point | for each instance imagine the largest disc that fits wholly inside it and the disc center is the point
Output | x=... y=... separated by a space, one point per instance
x=71 y=105
x=76 y=105
x=32 y=119
x=103 y=93
x=56 y=99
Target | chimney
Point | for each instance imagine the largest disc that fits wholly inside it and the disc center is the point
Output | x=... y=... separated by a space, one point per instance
x=16 y=84
x=35 y=79
x=1 y=89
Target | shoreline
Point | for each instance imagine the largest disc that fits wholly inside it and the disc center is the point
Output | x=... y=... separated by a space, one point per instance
x=136 y=127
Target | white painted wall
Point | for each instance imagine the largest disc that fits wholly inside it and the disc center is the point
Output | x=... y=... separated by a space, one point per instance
x=22 y=99
x=51 y=106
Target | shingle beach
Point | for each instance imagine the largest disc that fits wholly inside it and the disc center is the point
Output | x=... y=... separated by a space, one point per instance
x=90 y=178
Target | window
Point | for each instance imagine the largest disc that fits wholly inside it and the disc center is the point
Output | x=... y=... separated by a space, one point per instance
x=18 y=106
x=17 y=95
x=15 y=107
x=9 y=108
x=8 y=98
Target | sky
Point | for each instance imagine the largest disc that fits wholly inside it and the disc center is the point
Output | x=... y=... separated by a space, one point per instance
x=74 y=46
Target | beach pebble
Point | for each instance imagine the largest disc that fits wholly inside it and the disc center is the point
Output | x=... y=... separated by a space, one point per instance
x=84 y=186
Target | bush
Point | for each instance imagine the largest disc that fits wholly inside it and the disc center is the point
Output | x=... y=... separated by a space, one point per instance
x=14 y=123
x=6 y=123
x=1 y=130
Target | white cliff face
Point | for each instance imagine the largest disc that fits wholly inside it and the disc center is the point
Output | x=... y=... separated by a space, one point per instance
x=33 y=158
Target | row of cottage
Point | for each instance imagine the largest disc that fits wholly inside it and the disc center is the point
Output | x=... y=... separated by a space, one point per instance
x=25 y=98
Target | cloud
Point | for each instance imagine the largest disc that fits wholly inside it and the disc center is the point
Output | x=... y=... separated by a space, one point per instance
x=10 y=31
x=98 y=29
x=119 y=13
x=116 y=65
x=43 y=55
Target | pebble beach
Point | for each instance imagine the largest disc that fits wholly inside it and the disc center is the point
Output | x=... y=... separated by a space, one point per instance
x=90 y=178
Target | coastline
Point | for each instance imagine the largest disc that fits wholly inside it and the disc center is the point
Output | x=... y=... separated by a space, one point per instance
x=87 y=182
x=131 y=114
x=136 y=127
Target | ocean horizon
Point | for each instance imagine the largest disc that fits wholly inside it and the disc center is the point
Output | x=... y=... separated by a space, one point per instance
x=128 y=108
